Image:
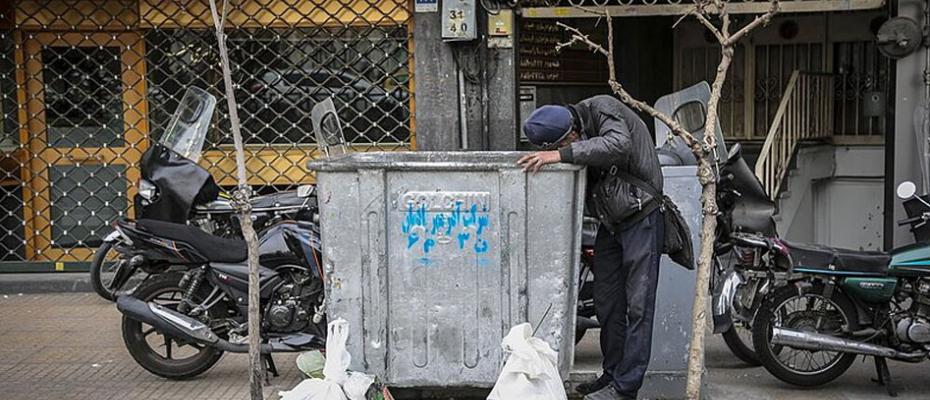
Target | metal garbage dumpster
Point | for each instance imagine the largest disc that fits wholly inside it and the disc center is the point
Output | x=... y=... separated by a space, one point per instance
x=432 y=256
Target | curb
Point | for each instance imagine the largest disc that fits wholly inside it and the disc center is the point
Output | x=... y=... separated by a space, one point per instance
x=61 y=282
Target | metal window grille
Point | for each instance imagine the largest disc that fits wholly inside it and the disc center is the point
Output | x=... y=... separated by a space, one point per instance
x=85 y=84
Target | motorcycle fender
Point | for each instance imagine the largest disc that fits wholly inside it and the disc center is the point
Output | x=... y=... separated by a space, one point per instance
x=723 y=302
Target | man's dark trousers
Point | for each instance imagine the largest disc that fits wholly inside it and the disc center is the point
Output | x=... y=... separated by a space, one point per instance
x=626 y=272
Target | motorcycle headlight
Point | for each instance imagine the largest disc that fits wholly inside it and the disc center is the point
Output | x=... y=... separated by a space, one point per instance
x=148 y=190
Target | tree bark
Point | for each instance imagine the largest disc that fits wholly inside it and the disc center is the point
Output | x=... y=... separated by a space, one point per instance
x=708 y=177
x=256 y=370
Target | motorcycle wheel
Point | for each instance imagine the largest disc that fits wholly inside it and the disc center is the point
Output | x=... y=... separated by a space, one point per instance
x=739 y=340
x=163 y=355
x=103 y=273
x=809 y=311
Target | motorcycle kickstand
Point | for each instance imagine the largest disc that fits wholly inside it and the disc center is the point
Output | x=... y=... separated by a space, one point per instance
x=884 y=376
x=270 y=367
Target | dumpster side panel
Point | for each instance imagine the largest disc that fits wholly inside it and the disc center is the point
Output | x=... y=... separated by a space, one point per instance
x=444 y=291
x=339 y=207
x=553 y=243
x=671 y=333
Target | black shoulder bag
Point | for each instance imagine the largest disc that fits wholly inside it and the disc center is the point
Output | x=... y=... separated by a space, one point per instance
x=677 y=242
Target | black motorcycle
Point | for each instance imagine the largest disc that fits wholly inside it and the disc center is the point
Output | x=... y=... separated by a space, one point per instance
x=178 y=324
x=179 y=321
x=174 y=188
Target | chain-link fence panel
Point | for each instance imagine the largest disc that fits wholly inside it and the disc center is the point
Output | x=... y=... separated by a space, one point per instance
x=85 y=86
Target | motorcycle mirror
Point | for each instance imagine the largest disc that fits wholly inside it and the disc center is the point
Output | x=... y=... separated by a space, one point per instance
x=906 y=190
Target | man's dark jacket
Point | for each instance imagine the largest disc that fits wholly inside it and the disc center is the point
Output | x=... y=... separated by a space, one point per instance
x=613 y=135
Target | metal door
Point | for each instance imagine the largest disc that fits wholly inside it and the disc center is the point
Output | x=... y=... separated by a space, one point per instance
x=85 y=98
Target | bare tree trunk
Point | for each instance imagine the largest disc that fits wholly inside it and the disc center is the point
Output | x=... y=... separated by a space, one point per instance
x=256 y=370
x=708 y=179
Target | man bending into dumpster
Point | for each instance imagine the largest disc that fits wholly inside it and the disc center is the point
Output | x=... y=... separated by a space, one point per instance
x=608 y=137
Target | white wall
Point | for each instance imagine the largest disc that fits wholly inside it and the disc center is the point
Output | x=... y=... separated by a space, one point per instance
x=848 y=212
x=835 y=197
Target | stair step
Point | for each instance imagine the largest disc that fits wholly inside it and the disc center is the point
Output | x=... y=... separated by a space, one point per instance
x=784 y=195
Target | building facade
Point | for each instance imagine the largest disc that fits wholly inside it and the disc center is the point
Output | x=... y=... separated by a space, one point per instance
x=86 y=85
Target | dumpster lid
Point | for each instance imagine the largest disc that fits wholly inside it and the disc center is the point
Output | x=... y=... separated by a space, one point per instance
x=430 y=160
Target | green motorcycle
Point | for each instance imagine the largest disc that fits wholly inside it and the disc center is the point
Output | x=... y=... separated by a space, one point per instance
x=839 y=304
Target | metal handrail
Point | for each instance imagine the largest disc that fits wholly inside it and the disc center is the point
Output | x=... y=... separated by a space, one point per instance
x=804 y=113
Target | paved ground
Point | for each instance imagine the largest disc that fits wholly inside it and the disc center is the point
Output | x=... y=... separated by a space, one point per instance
x=67 y=346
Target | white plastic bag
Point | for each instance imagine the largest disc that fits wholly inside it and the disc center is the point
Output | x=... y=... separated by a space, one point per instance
x=357 y=384
x=314 y=389
x=530 y=372
x=334 y=371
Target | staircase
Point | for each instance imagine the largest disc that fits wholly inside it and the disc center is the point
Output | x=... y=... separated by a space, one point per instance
x=804 y=114
x=824 y=190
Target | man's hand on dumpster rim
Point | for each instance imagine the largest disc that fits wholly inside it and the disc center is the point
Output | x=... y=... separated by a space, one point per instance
x=534 y=161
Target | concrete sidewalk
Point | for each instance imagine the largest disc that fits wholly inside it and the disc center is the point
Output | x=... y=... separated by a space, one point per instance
x=45 y=282
x=68 y=346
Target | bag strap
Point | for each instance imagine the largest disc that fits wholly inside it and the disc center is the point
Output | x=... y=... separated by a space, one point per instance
x=645 y=186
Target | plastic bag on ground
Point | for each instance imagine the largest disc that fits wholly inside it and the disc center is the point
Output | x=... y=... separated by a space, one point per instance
x=357 y=384
x=530 y=372
x=311 y=363
x=314 y=389
x=334 y=370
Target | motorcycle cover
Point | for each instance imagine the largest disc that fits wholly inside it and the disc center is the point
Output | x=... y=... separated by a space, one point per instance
x=181 y=182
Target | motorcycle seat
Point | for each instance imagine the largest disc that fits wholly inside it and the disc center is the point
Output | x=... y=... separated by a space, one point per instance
x=807 y=256
x=213 y=248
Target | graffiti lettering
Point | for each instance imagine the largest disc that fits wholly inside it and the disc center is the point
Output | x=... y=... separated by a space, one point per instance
x=439 y=218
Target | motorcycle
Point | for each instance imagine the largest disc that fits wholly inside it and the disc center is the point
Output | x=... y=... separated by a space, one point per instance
x=200 y=311
x=173 y=188
x=844 y=303
x=743 y=263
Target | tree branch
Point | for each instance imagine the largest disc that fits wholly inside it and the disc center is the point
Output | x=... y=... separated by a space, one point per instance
x=701 y=16
x=759 y=20
x=690 y=12
x=639 y=105
x=578 y=37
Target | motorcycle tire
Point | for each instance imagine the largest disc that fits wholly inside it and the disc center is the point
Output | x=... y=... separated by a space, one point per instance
x=96 y=272
x=134 y=337
x=739 y=347
x=762 y=333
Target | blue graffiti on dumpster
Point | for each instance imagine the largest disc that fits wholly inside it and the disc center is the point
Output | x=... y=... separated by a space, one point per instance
x=457 y=219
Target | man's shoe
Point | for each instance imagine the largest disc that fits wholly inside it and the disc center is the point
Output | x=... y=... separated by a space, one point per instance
x=608 y=393
x=590 y=387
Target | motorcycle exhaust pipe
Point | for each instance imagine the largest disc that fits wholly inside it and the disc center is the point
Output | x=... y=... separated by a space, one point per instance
x=817 y=341
x=181 y=326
